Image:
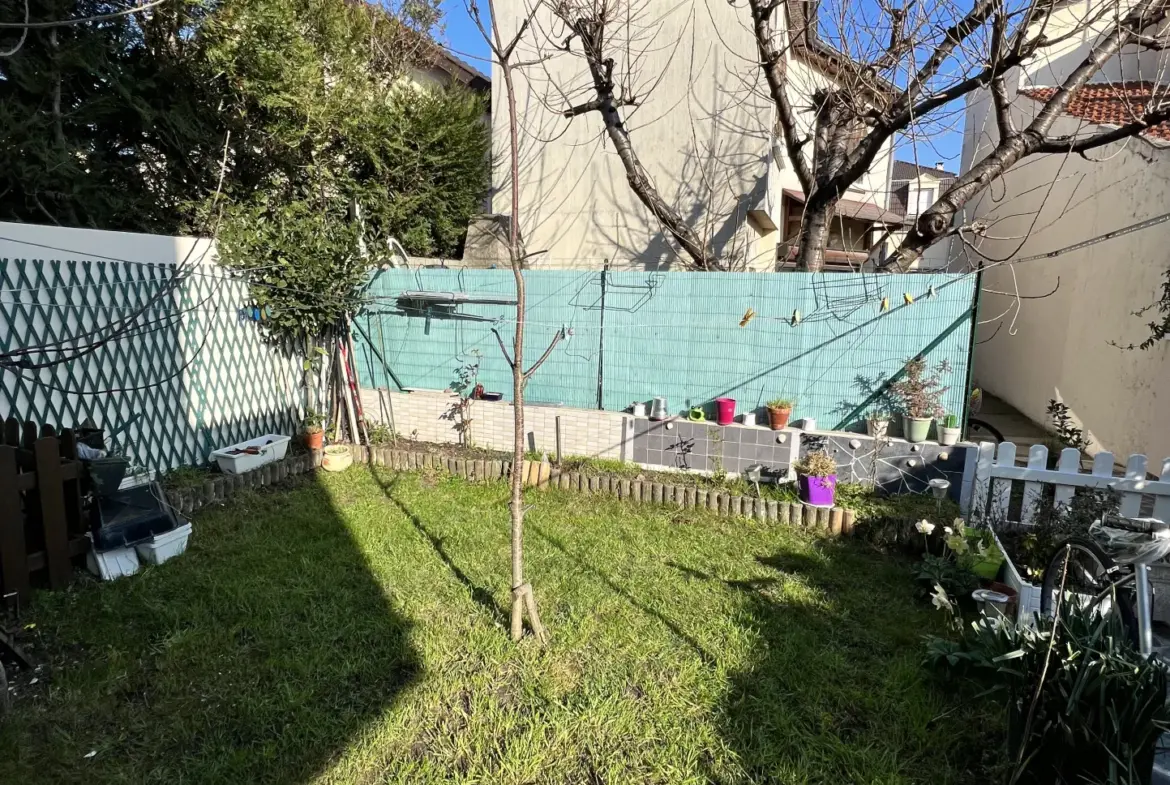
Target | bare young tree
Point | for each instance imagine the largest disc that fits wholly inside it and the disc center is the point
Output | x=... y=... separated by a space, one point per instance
x=504 y=58
x=891 y=71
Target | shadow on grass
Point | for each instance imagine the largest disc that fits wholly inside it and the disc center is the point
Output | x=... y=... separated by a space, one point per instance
x=835 y=691
x=616 y=588
x=258 y=656
x=479 y=595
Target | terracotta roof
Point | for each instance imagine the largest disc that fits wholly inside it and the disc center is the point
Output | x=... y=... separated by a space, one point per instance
x=1111 y=104
x=460 y=70
x=862 y=211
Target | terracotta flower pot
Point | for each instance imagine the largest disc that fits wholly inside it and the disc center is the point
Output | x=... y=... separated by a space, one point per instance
x=315 y=440
x=778 y=418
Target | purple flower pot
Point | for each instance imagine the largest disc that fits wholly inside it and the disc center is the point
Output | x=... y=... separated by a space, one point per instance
x=817 y=491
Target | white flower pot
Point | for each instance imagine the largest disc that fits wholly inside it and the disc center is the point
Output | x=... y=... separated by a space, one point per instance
x=948 y=436
x=877 y=428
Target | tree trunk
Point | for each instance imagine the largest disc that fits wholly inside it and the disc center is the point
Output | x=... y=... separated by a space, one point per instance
x=522 y=596
x=814 y=236
x=58 y=124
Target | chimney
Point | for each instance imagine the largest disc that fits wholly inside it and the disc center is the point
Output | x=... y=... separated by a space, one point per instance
x=939 y=165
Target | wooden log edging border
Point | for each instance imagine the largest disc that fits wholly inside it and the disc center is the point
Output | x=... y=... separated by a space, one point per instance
x=220 y=487
x=835 y=521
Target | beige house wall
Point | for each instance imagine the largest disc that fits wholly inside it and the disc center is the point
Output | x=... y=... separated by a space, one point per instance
x=703 y=131
x=937 y=256
x=1061 y=347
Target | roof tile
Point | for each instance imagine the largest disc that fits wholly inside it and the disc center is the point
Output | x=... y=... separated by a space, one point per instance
x=1111 y=104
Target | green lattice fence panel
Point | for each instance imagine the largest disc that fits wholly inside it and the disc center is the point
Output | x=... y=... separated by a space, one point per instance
x=678 y=335
x=192 y=374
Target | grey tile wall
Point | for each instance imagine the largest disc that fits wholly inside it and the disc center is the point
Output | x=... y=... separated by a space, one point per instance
x=900 y=467
x=706 y=447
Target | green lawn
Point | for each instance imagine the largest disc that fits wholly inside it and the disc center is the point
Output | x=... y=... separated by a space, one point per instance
x=351 y=629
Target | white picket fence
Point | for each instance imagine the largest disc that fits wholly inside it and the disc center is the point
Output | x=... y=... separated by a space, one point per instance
x=996 y=470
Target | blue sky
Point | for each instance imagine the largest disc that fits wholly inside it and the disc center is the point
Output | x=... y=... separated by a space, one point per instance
x=463 y=38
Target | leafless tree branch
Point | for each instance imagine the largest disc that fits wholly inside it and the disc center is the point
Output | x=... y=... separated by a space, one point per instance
x=774 y=66
x=588 y=23
x=547 y=352
x=1012 y=148
x=503 y=349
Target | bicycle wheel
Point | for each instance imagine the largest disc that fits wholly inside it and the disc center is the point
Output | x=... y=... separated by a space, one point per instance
x=1091 y=579
x=980 y=431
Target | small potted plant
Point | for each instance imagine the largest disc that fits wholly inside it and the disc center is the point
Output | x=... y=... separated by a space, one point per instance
x=816 y=475
x=948 y=432
x=877 y=424
x=314 y=429
x=919 y=393
x=779 y=411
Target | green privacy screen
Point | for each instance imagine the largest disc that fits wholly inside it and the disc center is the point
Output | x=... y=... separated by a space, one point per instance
x=821 y=338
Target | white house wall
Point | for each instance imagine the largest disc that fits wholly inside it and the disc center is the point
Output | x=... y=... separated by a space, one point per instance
x=1059 y=347
x=1055 y=62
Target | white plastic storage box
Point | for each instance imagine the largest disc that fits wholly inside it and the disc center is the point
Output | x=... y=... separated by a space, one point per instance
x=252 y=454
x=162 y=547
x=1028 y=594
x=112 y=564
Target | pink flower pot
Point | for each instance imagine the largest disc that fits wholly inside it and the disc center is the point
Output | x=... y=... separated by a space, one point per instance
x=725 y=411
x=817 y=491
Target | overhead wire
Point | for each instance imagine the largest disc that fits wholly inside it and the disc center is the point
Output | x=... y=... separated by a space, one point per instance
x=27 y=25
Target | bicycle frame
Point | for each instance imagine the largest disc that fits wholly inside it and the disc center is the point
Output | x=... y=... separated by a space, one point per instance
x=1140 y=577
x=1145 y=612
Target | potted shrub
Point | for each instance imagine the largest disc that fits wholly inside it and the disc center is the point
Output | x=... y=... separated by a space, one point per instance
x=779 y=411
x=816 y=475
x=918 y=394
x=314 y=429
x=948 y=432
x=877 y=424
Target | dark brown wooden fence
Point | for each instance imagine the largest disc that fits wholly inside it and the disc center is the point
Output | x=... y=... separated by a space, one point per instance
x=42 y=521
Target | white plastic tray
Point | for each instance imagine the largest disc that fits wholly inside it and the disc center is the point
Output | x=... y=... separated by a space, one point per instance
x=164 y=546
x=272 y=447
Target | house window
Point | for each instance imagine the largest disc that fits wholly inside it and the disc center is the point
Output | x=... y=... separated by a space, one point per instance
x=924 y=199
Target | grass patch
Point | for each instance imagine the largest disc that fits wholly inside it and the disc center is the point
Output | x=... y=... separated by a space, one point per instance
x=351 y=629
x=183 y=477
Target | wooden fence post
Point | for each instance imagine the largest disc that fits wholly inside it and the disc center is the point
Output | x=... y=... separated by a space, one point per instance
x=1033 y=491
x=74 y=510
x=13 y=553
x=51 y=491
